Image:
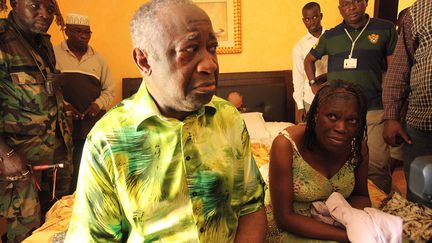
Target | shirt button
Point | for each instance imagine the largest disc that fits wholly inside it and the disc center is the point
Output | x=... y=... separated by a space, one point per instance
x=188 y=157
x=202 y=229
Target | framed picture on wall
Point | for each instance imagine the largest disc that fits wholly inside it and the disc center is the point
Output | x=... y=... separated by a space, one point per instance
x=225 y=17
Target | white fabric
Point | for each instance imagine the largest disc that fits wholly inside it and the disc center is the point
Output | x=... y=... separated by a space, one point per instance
x=77 y=19
x=92 y=64
x=302 y=90
x=255 y=125
x=369 y=225
x=274 y=128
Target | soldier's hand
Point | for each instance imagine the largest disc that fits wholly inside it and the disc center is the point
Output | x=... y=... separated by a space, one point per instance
x=12 y=165
x=71 y=111
x=92 y=110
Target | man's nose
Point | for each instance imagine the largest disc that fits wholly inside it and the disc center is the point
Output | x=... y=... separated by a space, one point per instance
x=43 y=12
x=208 y=63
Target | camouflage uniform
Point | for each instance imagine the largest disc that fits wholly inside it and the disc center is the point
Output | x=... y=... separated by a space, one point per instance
x=31 y=122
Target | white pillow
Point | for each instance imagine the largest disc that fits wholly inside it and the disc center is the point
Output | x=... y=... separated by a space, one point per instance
x=255 y=125
x=274 y=128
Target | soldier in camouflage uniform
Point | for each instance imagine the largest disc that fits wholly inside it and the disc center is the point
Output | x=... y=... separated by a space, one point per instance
x=33 y=128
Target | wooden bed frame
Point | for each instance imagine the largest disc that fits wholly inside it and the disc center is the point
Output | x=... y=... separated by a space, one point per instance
x=266 y=92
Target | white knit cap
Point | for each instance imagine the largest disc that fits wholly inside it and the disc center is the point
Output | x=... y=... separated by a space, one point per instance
x=77 y=19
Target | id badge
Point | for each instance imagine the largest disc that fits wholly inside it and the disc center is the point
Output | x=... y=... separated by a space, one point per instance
x=350 y=63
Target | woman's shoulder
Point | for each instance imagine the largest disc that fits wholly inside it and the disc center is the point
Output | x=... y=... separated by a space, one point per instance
x=292 y=135
x=296 y=133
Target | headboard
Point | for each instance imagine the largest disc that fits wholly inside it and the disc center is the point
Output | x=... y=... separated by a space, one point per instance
x=266 y=92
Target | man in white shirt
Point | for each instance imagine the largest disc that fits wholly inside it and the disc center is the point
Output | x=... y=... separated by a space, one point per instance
x=303 y=95
x=87 y=83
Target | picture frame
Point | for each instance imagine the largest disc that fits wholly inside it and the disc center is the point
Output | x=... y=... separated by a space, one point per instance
x=225 y=17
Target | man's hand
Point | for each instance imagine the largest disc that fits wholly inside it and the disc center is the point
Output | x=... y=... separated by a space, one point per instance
x=92 y=110
x=300 y=116
x=394 y=134
x=71 y=111
x=13 y=165
x=315 y=87
x=319 y=83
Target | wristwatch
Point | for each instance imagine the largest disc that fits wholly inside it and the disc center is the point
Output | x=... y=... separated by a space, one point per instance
x=312 y=82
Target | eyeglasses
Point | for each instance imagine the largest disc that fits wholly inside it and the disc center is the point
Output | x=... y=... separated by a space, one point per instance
x=81 y=32
x=346 y=4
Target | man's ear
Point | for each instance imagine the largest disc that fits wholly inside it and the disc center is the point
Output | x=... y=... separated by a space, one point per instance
x=141 y=60
x=67 y=31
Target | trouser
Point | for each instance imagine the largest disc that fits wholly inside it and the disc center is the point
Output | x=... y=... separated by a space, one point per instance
x=61 y=186
x=421 y=145
x=76 y=158
x=19 y=204
x=379 y=152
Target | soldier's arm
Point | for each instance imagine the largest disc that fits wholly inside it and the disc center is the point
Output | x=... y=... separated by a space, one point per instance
x=108 y=87
x=11 y=163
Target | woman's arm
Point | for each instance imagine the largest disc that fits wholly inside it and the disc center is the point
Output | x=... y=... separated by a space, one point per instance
x=281 y=192
x=359 y=198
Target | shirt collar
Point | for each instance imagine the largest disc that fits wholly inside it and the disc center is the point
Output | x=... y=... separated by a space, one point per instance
x=145 y=108
x=309 y=35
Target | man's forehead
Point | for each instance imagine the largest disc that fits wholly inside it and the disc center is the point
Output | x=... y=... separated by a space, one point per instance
x=77 y=26
x=313 y=10
x=51 y=2
x=182 y=14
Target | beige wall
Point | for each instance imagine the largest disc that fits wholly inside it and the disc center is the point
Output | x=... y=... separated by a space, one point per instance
x=269 y=31
x=404 y=4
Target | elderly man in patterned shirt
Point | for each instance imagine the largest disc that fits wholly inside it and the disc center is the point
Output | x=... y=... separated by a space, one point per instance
x=173 y=163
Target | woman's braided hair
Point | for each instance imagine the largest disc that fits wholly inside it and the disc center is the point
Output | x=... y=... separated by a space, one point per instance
x=330 y=90
x=59 y=18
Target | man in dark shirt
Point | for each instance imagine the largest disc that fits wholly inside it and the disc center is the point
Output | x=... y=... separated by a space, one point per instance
x=358 y=51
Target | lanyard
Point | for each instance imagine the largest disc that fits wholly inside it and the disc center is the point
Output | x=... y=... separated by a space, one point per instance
x=354 y=41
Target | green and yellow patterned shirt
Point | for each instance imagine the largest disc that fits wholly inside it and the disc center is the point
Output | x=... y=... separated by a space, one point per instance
x=145 y=177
